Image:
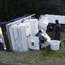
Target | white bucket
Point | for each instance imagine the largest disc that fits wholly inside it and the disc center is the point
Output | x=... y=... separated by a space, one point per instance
x=55 y=44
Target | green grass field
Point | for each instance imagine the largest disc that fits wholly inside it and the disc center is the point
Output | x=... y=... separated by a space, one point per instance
x=41 y=57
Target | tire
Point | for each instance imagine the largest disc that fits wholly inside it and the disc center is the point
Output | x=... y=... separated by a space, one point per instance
x=49 y=28
x=63 y=28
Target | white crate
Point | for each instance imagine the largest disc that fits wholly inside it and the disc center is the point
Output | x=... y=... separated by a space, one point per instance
x=48 y=40
x=19 y=34
x=33 y=43
x=34 y=25
x=43 y=24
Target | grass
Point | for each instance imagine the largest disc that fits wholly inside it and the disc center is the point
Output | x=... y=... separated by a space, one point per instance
x=41 y=57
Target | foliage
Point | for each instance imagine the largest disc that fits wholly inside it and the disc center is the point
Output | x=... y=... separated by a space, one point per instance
x=10 y=9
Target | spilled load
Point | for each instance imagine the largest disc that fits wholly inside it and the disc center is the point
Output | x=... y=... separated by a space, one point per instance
x=43 y=22
x=22 y=34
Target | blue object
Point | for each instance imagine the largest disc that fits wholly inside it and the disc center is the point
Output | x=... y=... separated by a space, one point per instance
x=15 y=19
x=3 y=23
x=40 y=37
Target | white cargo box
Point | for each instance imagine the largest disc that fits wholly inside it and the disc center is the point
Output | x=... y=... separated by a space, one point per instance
x=19 y=34
x=33 y=43
x=34 y=25
x=48 y=40
x=43 y=23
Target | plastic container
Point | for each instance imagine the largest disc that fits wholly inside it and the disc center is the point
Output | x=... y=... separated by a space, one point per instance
x=55 y=44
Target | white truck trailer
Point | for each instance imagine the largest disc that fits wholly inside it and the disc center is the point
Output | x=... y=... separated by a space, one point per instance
x=52 y=18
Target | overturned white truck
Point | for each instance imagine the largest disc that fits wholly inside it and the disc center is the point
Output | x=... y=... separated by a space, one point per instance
x=21 y=34
x=52 y=18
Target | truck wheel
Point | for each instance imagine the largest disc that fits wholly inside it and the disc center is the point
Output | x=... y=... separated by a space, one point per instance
x=63 y=28
x=50 y=28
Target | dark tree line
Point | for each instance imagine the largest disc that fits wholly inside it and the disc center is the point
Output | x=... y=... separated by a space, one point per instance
x=10 y=9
